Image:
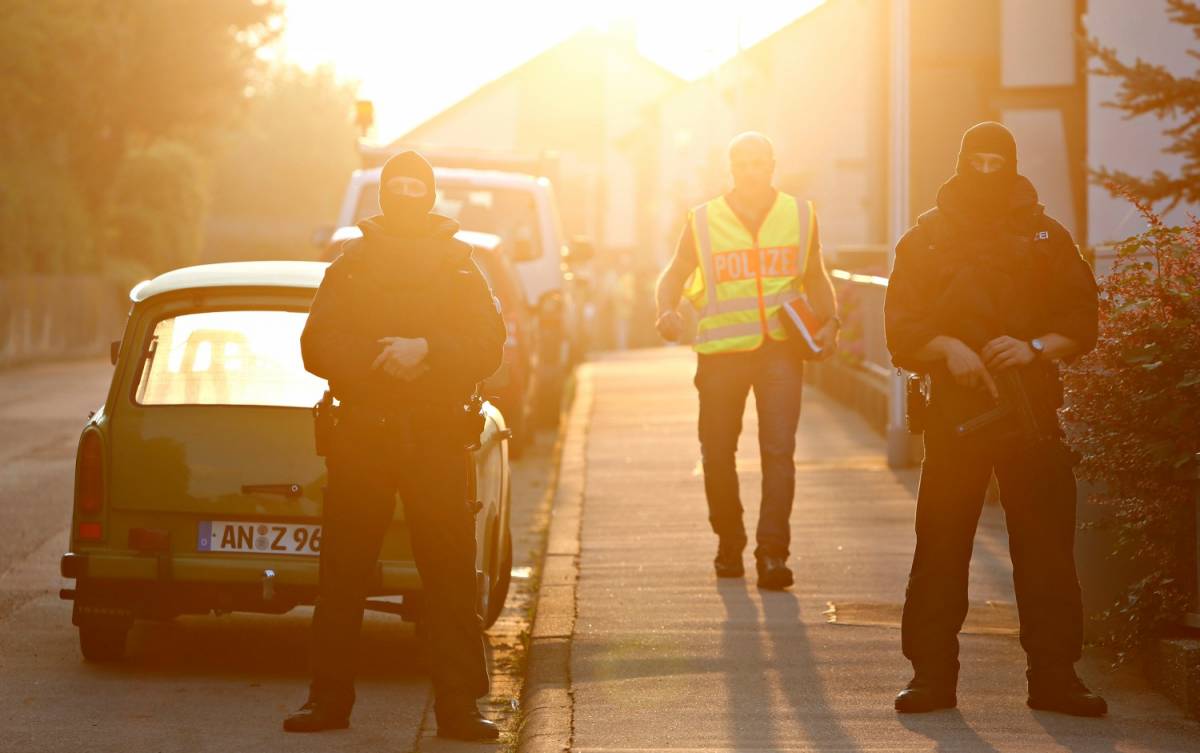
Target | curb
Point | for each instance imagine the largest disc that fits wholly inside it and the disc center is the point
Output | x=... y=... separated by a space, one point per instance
x=547 y=701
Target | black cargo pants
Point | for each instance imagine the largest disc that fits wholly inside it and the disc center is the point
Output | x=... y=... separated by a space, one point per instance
x=367 y=467
x=1037 y=490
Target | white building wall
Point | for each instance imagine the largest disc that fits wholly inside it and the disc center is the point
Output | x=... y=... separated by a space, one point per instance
x=1037 y=50
x=693 y=131
x=629 y=92
x=827 y=102
x=490 y=123
x=816 y=88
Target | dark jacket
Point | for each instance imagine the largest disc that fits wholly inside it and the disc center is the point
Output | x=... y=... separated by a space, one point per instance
x=1018 y=273
x=404 y=282
x=976 y=277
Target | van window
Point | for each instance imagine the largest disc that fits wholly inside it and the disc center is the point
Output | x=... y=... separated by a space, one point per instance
x=228 y=358
x=510 y=213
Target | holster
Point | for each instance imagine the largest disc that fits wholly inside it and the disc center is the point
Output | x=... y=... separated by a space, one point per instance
x=324 y=423
x=916 y=403
x=472 y=422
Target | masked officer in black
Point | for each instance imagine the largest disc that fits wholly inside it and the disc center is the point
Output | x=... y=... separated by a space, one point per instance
x=987 y=288
x=403 y=327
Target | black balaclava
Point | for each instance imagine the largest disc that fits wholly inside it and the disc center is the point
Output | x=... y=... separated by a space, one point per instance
x=397 y=184
x=988 y=193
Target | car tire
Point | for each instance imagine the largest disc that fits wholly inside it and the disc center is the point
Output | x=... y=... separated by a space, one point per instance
x=102 y=643
x=499 y=592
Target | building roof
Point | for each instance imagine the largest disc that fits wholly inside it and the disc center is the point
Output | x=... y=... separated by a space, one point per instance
x=237 y=274
x=546 y=57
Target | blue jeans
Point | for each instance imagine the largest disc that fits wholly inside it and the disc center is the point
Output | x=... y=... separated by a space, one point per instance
x=776 y=375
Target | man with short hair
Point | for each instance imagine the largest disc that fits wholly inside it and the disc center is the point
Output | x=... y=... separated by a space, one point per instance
x=987 y=295
x=747 y=253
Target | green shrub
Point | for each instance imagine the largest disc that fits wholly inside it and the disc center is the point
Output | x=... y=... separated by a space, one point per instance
x=158 y=206
x=1134 y=414
x=45 y=225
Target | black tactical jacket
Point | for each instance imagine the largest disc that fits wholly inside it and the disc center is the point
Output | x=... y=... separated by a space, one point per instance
x=975 y=278
x=404 y=282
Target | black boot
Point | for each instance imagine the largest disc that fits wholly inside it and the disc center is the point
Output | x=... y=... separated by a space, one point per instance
x=315 y=717
x=728 y=562
x=1058 y=688
x=464 y=722
x=926 y=693
x=774 y=574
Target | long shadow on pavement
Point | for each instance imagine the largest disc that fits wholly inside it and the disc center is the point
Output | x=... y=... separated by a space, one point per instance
x=1083 y=735
x=747 y=699
x=948 y=729
x=799 y=674
x=260 y=646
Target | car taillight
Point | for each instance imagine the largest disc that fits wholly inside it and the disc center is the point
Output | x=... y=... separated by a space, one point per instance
x=90 y=531
x=90 y=483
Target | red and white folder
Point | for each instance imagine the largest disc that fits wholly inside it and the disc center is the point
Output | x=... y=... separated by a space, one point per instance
x=802 y=326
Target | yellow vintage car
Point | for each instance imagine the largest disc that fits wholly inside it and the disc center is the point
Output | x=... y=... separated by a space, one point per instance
x=197 y=484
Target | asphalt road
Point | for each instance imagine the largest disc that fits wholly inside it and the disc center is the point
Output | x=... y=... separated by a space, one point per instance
x=195 y=683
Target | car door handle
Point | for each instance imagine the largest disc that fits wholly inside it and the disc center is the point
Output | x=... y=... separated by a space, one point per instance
x=287 y=490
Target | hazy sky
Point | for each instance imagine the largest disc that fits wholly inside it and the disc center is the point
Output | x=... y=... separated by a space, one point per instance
x=416 y=59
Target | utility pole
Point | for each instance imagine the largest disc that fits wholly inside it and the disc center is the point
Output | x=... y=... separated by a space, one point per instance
x=899 y=120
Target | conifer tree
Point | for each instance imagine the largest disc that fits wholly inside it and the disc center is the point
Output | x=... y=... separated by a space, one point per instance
x=1150 y=89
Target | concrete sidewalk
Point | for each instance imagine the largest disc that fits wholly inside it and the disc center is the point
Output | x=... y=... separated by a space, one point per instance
x=662 y=656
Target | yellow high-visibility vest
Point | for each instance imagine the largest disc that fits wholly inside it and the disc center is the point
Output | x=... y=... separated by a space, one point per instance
x=743 y=279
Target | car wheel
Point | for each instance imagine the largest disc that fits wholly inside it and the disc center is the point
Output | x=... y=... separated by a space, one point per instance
x=102 y=643
x=499 y=593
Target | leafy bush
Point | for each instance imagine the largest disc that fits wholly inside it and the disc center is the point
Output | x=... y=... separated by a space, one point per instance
x=45 y=225
x=1134 y=413
x=90 y=87
x=288 y=156
x=158 y=207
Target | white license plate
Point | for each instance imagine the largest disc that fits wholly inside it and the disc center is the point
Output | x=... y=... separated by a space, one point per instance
x=258 y=537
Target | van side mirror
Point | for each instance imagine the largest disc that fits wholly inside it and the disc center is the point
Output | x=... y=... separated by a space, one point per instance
x=580 y=251
x=114 y=351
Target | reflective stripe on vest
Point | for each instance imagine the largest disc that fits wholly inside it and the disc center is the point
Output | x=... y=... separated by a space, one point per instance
x=743 y=279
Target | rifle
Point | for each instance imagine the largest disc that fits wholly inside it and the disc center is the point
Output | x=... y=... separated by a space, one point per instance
x=1014 y=412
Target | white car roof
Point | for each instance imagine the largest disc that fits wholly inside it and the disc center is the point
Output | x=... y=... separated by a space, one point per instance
x=237 y=274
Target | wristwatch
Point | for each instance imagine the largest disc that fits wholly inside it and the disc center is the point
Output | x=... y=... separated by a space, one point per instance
x=1038 y=347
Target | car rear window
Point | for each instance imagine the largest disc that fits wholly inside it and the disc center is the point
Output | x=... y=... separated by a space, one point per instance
x=228 y=358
